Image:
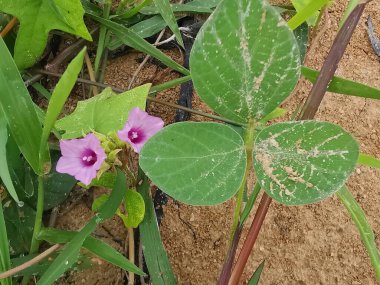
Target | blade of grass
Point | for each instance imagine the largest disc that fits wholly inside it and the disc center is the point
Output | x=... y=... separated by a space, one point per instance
x=156 y=259
x=256 y=276
x=343 y=86
x=59 y=97
x=5 y=260
x=102 y=38
x=96 y=246
x=4 y=170
x=350 y=7
x=131 y=39
x=71 y=250
x=366 y=233
x=166 y=12
x=306 y=13
x=368 y=160
x=18 y=109
x=134 y=10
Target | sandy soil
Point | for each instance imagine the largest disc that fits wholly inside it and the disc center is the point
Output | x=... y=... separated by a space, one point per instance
x=316 y=244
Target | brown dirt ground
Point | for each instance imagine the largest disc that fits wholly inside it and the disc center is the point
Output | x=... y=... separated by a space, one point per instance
x=315 y=244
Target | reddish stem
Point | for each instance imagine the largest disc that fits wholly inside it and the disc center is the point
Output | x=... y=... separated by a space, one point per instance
x=251 y=239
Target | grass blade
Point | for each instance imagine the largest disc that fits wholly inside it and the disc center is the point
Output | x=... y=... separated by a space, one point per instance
x=96 y=246
x=156 y=259
x=5 y=260
x=343 y=86
x=61 y=92
x=131 y=39
x=256 y=276
x=18 y=109
x=4 y=170
x=71 y=250
x=166 y=12
x=364 y=228
x=368 y=160
x=350 y=7
x=306 y=13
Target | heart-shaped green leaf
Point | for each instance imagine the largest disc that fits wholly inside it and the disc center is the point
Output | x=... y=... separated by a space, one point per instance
x=245 y=60
x=37 y=18
x=196 y=163
x=104 y=113
x=303 y=162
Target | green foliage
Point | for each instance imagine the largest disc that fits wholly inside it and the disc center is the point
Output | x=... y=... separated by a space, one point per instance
x=4 y=169
x=364 y=228
x=130 y=38
x=368 y=160
x=245 y=60
x=71 y=250
x=343 y=86
x=104 y=113
x=135 y=209
x=95 y=246
x=196 y=163
x=303 y=162
x=37 y=18
x=5 y=260
x=300 y=5
x=166 y=12
x=19 y=222
x=306 y=12
x=157 y=261
x=196 y=6
x=60 y=94
x=257 y=274
x=18 y=109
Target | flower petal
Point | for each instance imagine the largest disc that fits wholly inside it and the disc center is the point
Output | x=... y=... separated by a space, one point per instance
x=69 y=165
x=85 y=175
x=71 y=148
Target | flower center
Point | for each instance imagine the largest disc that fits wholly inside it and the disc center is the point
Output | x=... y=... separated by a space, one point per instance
x=88 y=157
x=135 y=135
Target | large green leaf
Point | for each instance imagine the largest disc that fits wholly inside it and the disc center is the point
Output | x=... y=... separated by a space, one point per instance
x=104 y=113
x=245 y=60
x=304 y=162
x=18 y=109
x=196 y=163
x=37 y=18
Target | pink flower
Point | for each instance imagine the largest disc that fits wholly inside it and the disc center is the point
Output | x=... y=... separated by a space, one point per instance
x=140 y=127
x=81 y=158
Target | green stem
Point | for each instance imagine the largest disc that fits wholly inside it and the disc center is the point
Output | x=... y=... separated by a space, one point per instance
x=35 y=243
x=5 y=261
x=248 y=142
x=38 y=221
x=365 y=230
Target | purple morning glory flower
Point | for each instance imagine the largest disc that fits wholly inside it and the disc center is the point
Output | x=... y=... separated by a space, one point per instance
x=139 y=128
x=81 y=158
